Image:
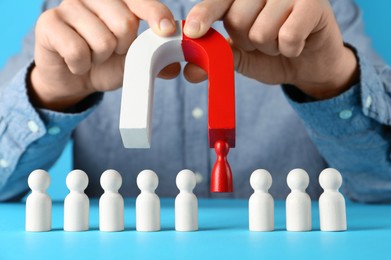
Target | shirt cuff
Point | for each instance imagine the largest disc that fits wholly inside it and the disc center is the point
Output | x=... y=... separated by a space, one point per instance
x=58 y=122
x=21 y=124
x=349 y=131
x=357 y=110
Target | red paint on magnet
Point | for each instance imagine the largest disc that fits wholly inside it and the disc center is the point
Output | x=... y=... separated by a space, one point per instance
x=213 y=54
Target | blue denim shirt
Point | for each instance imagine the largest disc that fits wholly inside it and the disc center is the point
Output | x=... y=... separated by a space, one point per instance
x=278 y=128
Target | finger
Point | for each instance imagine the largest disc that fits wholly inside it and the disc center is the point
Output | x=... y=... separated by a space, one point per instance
x=194 y=73
x=114 y=66
x=259 y=66
x=202 y=15
x=100 y=39
x=119 y=19
x=303 y=20
x=170 y=71
x=56 y=40
x=264 y=32
x=239 y=20
x=157 y=15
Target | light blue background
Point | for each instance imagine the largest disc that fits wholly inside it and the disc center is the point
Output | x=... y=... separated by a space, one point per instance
x=17 y=18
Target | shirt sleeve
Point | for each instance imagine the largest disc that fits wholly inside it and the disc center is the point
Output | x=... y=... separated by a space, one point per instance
x=31 y=138
x=352 y=130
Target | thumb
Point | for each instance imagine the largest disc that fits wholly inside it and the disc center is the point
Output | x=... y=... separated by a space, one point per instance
x=157 y=15
x=203 y=15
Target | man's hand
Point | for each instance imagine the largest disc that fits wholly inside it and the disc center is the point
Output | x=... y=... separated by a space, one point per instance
x=280 y=41
x=81 y=46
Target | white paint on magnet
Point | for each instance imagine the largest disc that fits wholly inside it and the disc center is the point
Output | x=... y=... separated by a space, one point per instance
x=146 y=57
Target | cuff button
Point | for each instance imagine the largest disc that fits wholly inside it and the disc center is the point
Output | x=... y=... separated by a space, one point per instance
x=34 y=128
x=345 y=114
x=54 y=130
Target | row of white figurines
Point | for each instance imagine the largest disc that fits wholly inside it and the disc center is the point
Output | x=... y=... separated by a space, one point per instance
x=332 y=209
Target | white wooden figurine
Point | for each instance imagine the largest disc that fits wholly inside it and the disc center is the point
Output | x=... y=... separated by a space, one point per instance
x=332 y=208
x=38 y=203
x=186 y=204
x=111 y=203
x=147 y=203
x=298 y=202
x=76 y=204
x=261 y=203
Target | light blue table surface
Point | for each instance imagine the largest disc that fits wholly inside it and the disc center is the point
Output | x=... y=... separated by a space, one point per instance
x=223 y=234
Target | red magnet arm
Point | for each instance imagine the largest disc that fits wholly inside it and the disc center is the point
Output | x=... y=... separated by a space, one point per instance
x=212 y=53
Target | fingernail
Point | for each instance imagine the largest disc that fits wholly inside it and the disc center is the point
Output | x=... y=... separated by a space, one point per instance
x=192 y=28
x=166 y=25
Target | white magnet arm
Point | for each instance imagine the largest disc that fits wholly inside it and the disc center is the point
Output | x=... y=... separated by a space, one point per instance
x=148 y=54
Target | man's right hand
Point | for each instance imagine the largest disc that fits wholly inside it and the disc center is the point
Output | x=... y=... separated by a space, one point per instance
x=81 y=45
